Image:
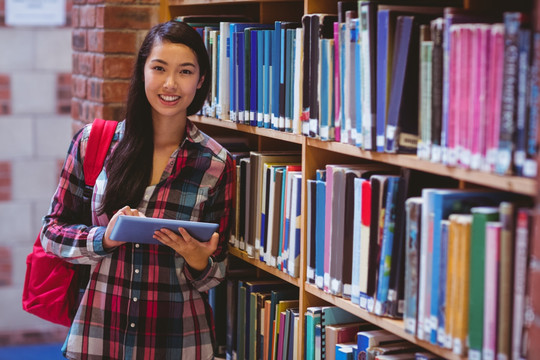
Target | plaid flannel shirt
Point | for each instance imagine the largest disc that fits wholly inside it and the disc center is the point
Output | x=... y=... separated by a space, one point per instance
x=142 y=301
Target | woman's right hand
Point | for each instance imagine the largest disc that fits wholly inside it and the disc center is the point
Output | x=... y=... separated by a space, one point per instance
x=125 y=211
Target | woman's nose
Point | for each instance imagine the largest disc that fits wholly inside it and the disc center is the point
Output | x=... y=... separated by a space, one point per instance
x=170 y=83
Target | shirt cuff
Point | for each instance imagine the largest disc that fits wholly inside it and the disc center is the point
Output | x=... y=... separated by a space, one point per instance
x=193 y=274
x=97 y=240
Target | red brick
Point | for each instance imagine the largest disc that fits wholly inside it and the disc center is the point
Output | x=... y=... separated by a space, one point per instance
x=533 y=343
x=113 y=67
x=76 y=108
x=107 y=91
x=63 y=94
x=78 y=41
x=86 y=64
x=5 y=181
x=6 y=266
x=75 y=13
x=534 y=283
x=69 y=13
x=126 y=17
x=88 y=16
x=112 y=41
x=78 y=86
x=79 y=2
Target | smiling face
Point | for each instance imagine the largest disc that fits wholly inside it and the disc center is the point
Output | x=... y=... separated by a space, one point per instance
x=171 y=79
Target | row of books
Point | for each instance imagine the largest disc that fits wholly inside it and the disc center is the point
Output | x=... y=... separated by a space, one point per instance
x=268 y=208
x=367 y=242
x=262 y=320
x=449 y=84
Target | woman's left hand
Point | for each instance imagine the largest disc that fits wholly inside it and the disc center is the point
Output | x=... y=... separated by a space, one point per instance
x=195 y=252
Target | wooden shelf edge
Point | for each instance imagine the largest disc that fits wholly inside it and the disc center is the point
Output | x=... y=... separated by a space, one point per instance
x=515 y=184
x=248 y=129
x=242 y=255
x=392 y=325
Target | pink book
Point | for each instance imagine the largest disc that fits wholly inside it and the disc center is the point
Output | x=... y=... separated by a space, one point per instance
x=282 y=318
x=337 y=86
x=328 y=226
x=466 y=77
x=493 y=233
x=494 y=95
x=479 y=111
x=453 y=93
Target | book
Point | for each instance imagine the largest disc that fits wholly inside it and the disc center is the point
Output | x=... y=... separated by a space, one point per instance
x=481 y=215
x=385 y=258
x=413 y=208
x=287 y=293
x=437 y=55
x=513 y=22
x=325 y=86
x=402 y=118
x=491 y=289
x=371 y=338
x=356 y=250
x=281 y=307
x=425 y=93
x=521 y=265
x=321 y=27
x=312 y=317
x=285 y=219
x=320 y=228
x=311 y=223
x=530 y=166
x=332 y=315
x=507 y=214
x=458 y=289
x=340 y=333
x=293 y=267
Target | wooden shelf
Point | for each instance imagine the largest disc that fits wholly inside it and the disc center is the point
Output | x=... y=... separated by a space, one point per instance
x=220 y=2
x=514 y=184
x=261 y=265
x=394 y=326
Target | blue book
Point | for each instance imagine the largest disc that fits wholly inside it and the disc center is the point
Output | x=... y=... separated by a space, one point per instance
x=267 y=76
x=326 y=89
x=290 y=36
x=276 y=69
x=240 y=76
x=251 y=95
x=357 y=82
x=522 y=100
x=385 y=262
x=232 y=51
x=384 y=68
x=260 y=77
x=312 y=317
x=320 y=228
x=441 y=315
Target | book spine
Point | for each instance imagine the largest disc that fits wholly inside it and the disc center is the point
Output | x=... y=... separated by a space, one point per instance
x=437 y=31
x=530 y=167
x=493 y=232
x=383 y=74
x=337 y=79
x=413 y=208
x=505 y=153
x=425 y=91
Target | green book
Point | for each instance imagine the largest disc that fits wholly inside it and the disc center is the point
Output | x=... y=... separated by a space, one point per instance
x=312 y=318
x=481 y=215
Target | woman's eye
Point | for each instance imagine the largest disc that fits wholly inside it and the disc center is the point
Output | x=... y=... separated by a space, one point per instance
x=186 y=71
x=159 y=68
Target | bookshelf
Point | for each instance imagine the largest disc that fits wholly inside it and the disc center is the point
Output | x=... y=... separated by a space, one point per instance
x=316 y=154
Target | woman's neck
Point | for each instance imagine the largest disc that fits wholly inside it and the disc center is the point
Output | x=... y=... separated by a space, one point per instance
x=168 y=133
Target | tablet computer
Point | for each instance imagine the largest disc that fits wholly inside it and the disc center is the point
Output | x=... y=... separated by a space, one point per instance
x=141 y=229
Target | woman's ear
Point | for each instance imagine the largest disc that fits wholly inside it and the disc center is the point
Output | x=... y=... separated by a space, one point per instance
x=201 y=81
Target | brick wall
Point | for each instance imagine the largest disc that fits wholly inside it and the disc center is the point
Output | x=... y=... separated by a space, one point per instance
x=106 y=37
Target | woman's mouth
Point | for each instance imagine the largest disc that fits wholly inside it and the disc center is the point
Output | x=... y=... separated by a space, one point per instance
x=169 y=98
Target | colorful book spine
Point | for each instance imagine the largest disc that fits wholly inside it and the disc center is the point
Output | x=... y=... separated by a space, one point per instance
x=493 y=234
x=413 y=208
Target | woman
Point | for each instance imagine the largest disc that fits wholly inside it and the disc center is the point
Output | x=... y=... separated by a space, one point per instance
x=148 y=301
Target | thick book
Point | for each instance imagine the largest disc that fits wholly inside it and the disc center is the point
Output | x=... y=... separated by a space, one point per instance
x=521 y=268
x=274 y=215
x=513 y=23
x=312 y=318
x=413 y=208
x=530 y=166
x=321 y=27
x=293 y=267
x=481 y=215
x=402 y=116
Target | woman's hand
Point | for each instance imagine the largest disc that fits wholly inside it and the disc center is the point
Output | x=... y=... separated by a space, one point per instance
x=195 y=252
x=125 y=211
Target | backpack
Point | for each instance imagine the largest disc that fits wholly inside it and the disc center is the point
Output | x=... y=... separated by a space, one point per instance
x=52 y=286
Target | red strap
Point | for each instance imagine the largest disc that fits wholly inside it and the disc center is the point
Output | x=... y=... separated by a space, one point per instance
x=99 y=141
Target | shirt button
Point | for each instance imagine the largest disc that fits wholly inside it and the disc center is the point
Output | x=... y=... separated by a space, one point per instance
x=137 y=246
x=135 y=299
x=137 y=271
x=132 y=325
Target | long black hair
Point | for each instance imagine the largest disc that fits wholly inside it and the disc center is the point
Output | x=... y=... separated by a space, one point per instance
x=129 y=169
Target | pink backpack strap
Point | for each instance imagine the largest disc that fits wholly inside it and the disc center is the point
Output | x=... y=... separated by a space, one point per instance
x=99 y=141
